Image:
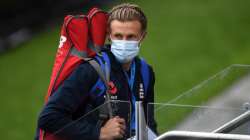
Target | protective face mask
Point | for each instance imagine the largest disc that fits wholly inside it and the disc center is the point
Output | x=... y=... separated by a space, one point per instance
x=124 y=50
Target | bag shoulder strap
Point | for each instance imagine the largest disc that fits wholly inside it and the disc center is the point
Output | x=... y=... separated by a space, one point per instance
x=102 y=67
x=103 y=70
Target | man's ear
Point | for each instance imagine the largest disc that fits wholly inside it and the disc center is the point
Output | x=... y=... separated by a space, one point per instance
x=108 y=34
x=107 y=40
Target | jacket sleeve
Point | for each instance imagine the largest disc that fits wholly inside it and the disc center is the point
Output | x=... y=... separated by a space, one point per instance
x=56 y=115
x=150 y=99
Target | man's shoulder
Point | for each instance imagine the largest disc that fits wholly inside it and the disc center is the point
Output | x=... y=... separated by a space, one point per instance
x=142 y=61
x=85 y=64
x=85 y=67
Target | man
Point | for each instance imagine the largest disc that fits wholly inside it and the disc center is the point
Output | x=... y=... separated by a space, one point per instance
x=127 y=26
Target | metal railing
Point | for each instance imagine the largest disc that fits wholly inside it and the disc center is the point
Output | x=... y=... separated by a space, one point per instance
x=218 y=134
x=184 y=135
x=233 y=124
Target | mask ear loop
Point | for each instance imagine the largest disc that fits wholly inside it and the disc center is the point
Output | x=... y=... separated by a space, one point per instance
x=109 y=39
x=142 y=36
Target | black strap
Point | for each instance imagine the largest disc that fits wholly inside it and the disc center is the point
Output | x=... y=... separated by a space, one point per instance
x=105 y=77
x=100 y=72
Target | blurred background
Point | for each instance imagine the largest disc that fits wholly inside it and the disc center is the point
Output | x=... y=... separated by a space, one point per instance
x=187 y=42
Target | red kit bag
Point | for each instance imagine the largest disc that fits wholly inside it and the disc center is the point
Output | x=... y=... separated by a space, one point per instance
x=82 y=37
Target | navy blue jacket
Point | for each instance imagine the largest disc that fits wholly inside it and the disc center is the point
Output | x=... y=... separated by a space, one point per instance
x=72 y=100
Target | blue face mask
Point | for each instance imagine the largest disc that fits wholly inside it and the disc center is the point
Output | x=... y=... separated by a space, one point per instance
x=125 y=50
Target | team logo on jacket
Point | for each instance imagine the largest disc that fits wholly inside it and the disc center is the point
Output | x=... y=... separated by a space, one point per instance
x=141 y=91
x=112 y=88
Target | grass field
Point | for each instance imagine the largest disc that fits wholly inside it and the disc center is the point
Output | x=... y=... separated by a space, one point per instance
x=187 y=42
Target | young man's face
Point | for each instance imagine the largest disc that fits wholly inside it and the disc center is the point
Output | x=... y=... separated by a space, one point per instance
x=128 y=30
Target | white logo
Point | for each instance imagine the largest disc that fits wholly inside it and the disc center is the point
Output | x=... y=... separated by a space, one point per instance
x=62 y=40
x=141 y=91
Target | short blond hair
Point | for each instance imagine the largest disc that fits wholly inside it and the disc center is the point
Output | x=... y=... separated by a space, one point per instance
x=128 y=12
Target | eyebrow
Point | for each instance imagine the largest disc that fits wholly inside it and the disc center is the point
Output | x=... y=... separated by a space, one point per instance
x=117 y=34
x=129 y=34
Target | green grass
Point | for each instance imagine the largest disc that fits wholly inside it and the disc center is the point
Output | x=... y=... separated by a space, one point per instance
x=25 y=74
x=187 y=42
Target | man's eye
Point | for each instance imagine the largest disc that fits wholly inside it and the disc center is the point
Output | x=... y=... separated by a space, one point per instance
x=118 y=36
x=132 y=37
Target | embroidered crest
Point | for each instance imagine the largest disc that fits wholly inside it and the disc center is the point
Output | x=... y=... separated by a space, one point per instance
x=112 y=88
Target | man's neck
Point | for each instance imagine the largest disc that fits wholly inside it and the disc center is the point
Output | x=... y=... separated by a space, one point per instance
x=126 y=66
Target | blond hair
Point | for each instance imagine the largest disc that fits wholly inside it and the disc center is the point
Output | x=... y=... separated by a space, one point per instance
x=128 y=12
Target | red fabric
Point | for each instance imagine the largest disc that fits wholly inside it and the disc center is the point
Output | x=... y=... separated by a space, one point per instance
x=49 y=136
x=74 y=33
x=77 y=31
x=98 y=26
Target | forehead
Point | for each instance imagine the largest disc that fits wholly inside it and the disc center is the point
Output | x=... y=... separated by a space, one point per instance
x=126 y=27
